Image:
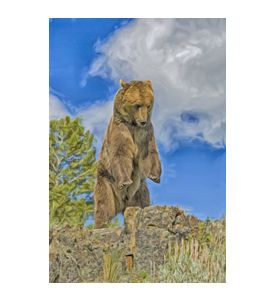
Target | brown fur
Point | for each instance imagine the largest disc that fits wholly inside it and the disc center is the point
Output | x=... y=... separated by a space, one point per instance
x=129 y=154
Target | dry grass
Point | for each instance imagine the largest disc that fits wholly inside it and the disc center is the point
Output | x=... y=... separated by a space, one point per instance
x=201 y=258
x=111 y=267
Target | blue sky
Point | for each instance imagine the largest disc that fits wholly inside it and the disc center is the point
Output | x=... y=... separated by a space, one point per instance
x=185 y=59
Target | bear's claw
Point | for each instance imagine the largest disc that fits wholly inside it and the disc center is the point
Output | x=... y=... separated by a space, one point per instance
x=124 y=184
x=155 y=178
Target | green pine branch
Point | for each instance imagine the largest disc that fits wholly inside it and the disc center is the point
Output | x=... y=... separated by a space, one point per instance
x=72 y=172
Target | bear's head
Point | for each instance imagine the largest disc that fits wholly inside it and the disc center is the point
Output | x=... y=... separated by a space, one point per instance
x=134 y=102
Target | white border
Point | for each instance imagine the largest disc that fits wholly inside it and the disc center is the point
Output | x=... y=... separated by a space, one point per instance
x=24 y=148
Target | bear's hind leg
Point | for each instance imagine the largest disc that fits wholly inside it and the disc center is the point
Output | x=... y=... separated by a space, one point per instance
x=105 y=208
x=141 y=197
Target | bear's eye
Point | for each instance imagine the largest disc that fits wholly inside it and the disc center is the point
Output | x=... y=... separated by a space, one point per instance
x=137 y=106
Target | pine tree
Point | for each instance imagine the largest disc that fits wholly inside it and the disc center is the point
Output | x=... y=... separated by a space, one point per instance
x=71 y=172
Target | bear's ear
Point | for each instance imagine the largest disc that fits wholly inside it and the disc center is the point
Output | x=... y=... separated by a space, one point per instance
x=149 y=82
x=122 y=83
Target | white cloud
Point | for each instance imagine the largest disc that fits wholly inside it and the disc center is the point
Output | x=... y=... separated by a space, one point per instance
x=185 y=59
x=96 y=118
x=57 y=108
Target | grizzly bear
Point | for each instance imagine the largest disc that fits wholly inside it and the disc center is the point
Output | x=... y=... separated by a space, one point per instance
x=129 y=154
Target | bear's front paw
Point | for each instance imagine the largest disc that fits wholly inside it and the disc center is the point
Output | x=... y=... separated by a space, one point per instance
x=124 y=184
x=154 y=178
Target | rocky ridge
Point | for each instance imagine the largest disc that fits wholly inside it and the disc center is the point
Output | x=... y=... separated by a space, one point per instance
x=79 y=254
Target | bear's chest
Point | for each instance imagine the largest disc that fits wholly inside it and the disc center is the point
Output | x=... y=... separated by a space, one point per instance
x=141 y=141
